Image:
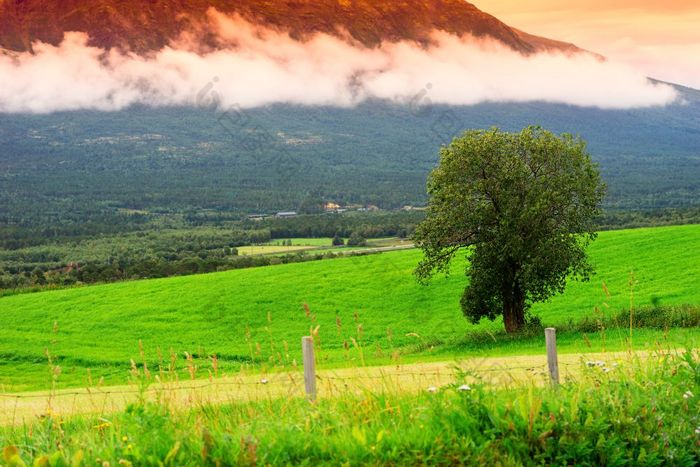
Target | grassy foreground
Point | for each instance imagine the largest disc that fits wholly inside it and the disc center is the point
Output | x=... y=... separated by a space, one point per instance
x=369 y=309
x=639 y=413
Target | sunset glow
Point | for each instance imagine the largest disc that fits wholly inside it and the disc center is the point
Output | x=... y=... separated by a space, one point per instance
x=661 y=39
x=356 y=52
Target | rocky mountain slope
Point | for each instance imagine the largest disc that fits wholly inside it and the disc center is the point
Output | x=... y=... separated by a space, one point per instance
x=146 y=25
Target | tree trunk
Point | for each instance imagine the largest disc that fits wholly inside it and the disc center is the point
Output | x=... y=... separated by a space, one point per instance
x=514 y=311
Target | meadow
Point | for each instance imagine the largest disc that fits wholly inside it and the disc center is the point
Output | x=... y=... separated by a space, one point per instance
x=366 y=309
x=212 y=341
x=272 y=249
x=641 y=412
x=315 y=245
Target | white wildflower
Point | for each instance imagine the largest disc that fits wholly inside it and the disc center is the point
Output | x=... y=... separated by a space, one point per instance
x=592 y=363
x=432 y=389
x=697 y=431
x=264 y=381
x=464 y=387
x=687 y=395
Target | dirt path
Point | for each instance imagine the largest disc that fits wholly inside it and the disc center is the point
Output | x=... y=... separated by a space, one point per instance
x=504 y=371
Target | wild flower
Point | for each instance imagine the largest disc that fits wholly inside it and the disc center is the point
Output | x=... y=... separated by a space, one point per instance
x=264 y=381
x=102 y=426
x=687 y=395
x=432 y=389
x=464 y=387
x=697 y=431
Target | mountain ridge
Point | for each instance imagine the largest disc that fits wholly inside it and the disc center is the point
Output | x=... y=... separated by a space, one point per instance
x=143 y=27
x=182 y=160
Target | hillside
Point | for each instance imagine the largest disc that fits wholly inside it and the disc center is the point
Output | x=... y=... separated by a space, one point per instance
x=174 y=161
x=258 y=314
x=77 y=173
x=147 y=26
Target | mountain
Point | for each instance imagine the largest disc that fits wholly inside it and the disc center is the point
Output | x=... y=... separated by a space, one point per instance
x=72 y=170
x=147 y=25
x=76 y=170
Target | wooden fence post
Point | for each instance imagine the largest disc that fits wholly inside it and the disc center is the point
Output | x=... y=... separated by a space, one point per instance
x=550 y=335
x=307 y=348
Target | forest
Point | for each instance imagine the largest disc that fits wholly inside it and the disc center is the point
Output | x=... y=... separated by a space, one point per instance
x=159 y=192
x=191 y=248
x=89 y=169
x=145 y=249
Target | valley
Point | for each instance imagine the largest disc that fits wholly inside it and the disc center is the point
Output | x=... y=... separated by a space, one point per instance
x=349 y=232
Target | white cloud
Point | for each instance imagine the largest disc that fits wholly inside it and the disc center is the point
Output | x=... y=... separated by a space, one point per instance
x=257 y=67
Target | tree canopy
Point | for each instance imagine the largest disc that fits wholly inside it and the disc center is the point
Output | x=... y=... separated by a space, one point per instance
x=521 y=206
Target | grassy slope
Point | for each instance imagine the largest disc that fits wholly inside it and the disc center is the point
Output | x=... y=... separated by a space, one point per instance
x=209 y=313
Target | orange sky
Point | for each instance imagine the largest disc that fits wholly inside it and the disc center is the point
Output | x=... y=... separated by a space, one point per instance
x=661 y=38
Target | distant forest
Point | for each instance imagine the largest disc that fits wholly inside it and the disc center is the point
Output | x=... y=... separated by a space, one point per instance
x=89 y=168
x=172 y=188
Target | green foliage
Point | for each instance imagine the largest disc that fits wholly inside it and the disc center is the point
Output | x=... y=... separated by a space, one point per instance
x=642 y=412
x=337 y=240
x=92 y=173
x=226 y=313
x=312 y=204
x=158 y=253
x=356 y=240
x=165 y=252
x=367 y=224
x=525 y=203
x=648 y=316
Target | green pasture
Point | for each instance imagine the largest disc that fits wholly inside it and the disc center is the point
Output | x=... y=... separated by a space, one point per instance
x=368 y=309
x=303 y=241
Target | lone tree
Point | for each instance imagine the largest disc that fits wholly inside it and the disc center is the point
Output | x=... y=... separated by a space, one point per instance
x=356 y=240
x=521 y=206
x=337 y=240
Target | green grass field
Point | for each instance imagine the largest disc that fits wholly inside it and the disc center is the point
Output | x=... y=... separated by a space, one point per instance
x=258 y=314
x=314 y=245
x=637 y=412
x=270 y=249
x=303 y=241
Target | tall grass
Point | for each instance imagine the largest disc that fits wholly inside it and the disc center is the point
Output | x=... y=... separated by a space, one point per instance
x=643 y=412
x=597 y=326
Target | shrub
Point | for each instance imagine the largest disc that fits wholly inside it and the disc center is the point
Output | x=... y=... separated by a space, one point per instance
x=356 y=240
